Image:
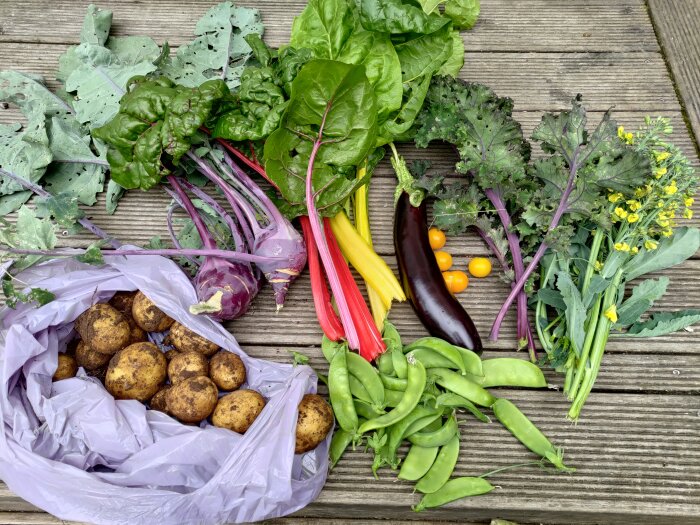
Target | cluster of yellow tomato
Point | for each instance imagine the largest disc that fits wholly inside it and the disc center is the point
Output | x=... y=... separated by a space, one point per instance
x=456 y=280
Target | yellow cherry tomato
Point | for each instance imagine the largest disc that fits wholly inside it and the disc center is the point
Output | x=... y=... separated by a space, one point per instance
x=479 y=267
x=444 y=260
x=437 y=238
x=456 y=281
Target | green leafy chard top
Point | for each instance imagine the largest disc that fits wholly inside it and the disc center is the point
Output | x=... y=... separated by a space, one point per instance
x=339 y=96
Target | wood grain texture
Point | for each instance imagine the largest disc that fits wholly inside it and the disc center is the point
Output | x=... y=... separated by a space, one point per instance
x=535 y=25
x=677 y=24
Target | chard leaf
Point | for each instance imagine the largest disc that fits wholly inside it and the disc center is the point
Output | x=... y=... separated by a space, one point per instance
x=671 y=251
x=663 y=323
x=463 y=13
x=342 y=95
x=220 y=50
x=398 y=16
x=455 y=61
x=324 y=27
x=642 y=298
x=575 y=312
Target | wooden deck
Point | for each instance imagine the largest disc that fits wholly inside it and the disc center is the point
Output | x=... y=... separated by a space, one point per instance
x=637 y=445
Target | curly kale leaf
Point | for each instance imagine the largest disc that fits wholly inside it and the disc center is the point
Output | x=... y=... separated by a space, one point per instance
x=155 y=126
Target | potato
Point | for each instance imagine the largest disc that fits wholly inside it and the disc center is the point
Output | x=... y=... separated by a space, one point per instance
x=136 y=333
x=67 y=367
x=192 y=400
x=123 y=301
x=227 y=370
x=88 y=358
x=314 y=422
x=186 y=365
x=185 y=340
x=137 y=372
x=169 y=354
x=237 y=410
x=148 y=316
x=103 y=328
x=160 y=400
x=99 y=373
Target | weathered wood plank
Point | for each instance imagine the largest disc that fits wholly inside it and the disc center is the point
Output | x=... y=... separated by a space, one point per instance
x=535 y=25
x=676 y=23
x=635 y=458
x=542 y=81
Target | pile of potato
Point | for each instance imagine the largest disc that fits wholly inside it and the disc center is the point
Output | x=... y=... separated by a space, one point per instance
x=192 y=381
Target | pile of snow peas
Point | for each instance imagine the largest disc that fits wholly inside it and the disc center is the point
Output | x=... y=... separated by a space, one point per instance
x=414 y=393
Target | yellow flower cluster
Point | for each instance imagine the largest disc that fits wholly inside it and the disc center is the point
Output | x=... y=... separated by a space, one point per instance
x=611 y=314
x=625 y=137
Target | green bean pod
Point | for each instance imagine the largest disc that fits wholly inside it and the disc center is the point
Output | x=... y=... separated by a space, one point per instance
x=451 y=400
x=417 y=462
x=437 y=346
x=368 y=376
x=462 y=386
x=454 y=489
x=366 y=410
x=399 y=362
x=507 y=371
x=436 y=438
x=392 y=398
x=442 y=467
x=385 y=364
x=394 y=383
x=414 y=390
x=527 y=433
x=470 y=361
x=358 y=390
x=339 y=389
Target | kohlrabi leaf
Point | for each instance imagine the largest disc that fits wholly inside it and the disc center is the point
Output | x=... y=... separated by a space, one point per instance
x=10 y=203
x=339 y=96
x=664 y=323
x=114 y=193
x=28 y=232
x=642 y=298
x=75 y=169
x=96 y=25
x=155 y=127
x=671 y=251
x=62 y=208
x=398 y=16
x=220 y=50
x=29 y=93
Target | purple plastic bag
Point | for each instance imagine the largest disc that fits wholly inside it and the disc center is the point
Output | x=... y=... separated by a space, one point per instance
x=71 y=449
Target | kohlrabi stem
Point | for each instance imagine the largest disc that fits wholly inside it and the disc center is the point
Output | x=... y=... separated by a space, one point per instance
x=204 y=233
x=235 y=228
x=173 y=236
x=556 y=218
x=323 y=250
x=41 y=192
x=165 y=252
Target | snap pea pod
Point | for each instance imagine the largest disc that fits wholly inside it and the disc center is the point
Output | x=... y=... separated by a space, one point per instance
x=339 y=443
x=399 y=362
x=507 y=371
x=438 y=437
x=414 y=390
x=451 y=400
x=339 y=388
x=358 y=390
x=424 y=423
x=392 y=398
x=454 y=489
x=442 y=467
x=471 y=362
x=329 y=348
x=462 y=386
x=417 y=462
x=366 y=410
x=385 y=364
x=399 y=430
x=391 y=336
x=527 y=433
x=442 y=348
x=432 y=359
x=393 y=383
x=368 y=376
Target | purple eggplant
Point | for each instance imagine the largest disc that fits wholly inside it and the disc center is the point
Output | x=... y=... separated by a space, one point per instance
x=439 y=311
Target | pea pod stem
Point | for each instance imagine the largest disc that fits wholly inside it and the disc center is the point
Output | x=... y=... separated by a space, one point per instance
x=511 y=467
